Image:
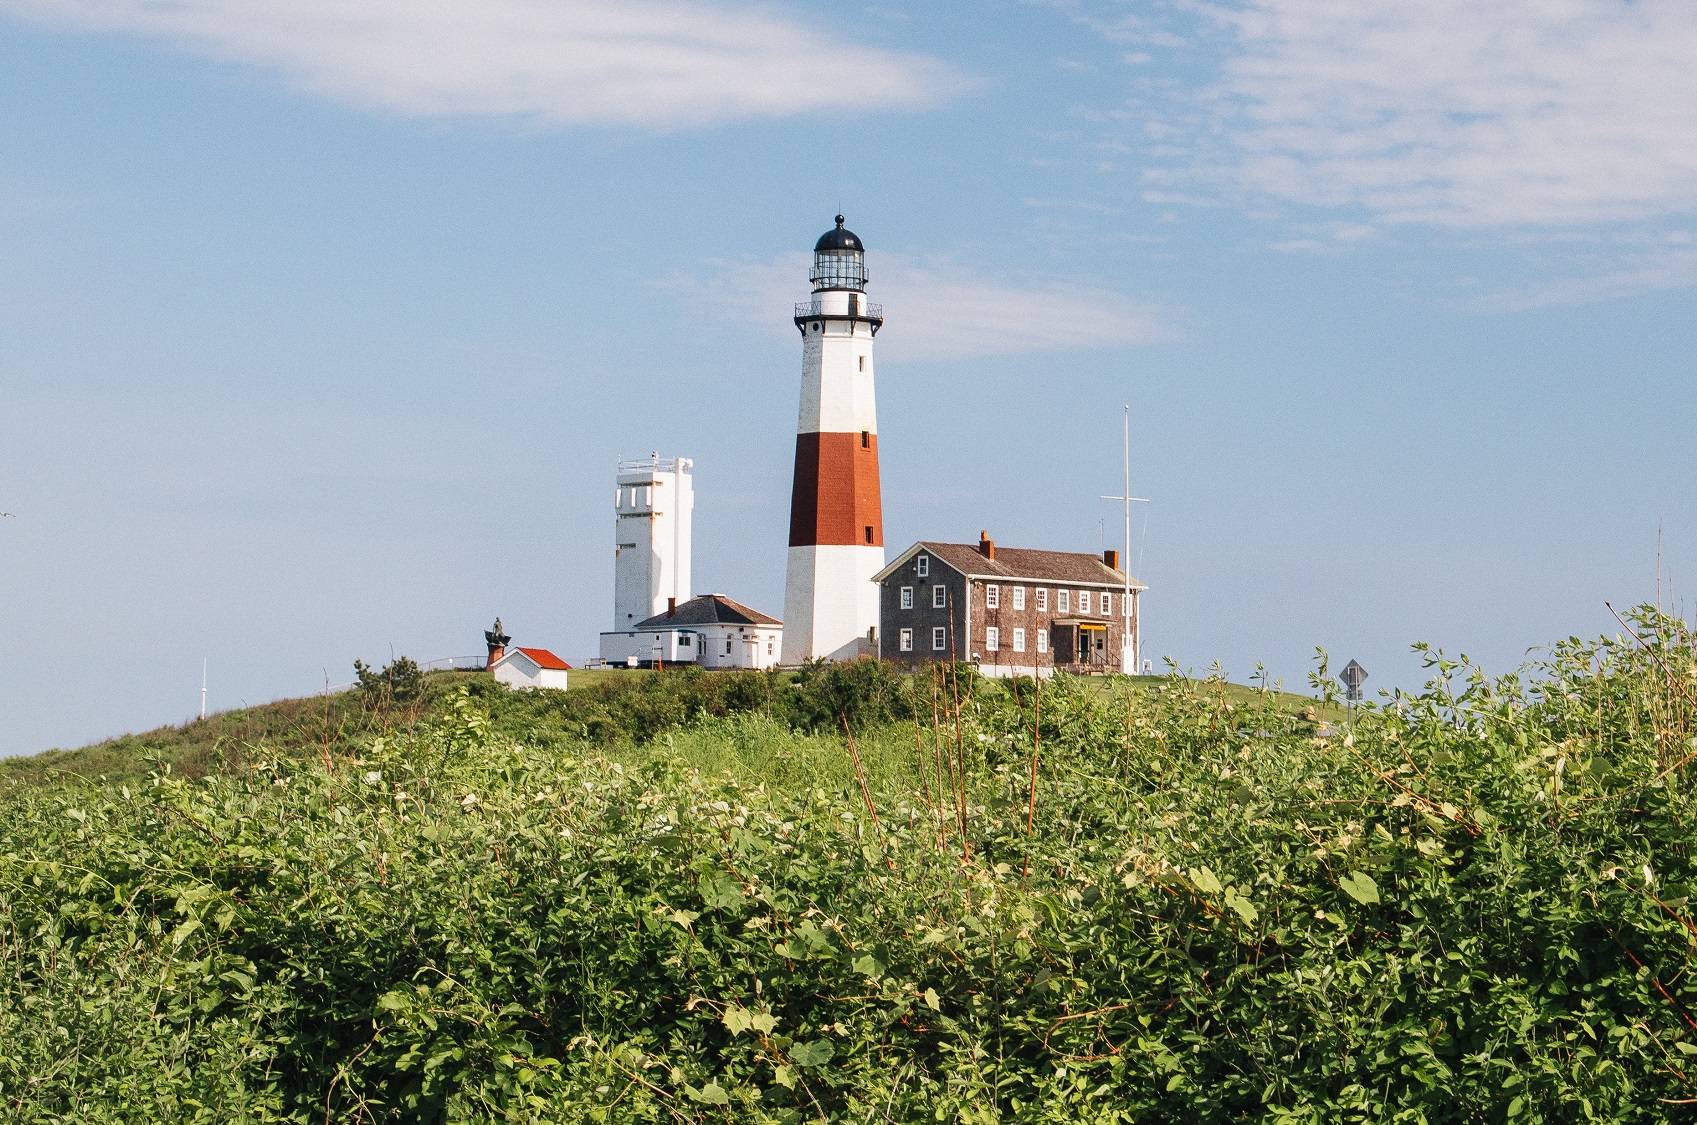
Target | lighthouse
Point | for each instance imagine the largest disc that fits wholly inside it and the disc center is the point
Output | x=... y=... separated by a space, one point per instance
x=836 y=517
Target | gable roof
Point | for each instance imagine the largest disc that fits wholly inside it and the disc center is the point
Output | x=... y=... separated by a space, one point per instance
x=541 y=657
x=708 y=609
x=1017 y=564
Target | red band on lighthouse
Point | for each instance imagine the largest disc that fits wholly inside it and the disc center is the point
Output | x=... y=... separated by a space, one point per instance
x=835 y=499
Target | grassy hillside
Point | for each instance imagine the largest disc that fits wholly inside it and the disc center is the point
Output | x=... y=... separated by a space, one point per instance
x=1102 y=904
x=639 y=703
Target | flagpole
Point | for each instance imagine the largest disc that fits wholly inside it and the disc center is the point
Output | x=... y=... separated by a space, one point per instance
x=1125 y=562
x=1128 y=649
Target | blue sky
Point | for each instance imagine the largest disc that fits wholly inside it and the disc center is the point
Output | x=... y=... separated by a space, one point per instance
x=322 y=324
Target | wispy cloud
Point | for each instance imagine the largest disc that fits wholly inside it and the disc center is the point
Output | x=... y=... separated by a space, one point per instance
x=655 y=63
x=1672 y=266
x=1463 y=113
x=943 y=311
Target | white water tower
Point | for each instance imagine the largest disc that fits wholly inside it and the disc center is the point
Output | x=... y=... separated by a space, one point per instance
x=652 y=505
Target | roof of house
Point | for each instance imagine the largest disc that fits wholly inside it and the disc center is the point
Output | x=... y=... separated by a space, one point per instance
x=708 y=609
x=540 y=656
x=1018 y=564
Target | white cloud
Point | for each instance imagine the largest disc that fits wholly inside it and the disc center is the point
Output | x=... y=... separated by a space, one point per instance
x=941 y=311
x=1669 y=267
x=1465 y=113
x=663 y=63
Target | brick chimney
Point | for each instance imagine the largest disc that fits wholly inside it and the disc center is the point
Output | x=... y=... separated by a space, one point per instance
x=497 y=641
x=671 y=607
x=1112 y=558
x=986 y=546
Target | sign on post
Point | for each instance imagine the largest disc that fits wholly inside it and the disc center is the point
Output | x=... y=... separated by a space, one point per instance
x=1353 y=676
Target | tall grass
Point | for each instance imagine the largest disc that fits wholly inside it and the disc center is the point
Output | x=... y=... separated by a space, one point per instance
x=756 y=748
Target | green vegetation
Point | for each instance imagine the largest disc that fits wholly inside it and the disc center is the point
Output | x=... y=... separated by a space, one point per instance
x=609 y=706
x=688 y=898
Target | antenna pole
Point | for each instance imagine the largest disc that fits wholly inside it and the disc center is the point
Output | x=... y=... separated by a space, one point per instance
x=1125 y=559
x=203 y=687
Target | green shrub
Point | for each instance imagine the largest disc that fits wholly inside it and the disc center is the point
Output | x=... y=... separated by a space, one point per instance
x=1471 y=907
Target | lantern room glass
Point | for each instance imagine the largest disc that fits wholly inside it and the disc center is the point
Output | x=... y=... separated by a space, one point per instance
x=838 y=269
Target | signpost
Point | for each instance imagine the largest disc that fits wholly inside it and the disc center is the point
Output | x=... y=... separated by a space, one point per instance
x=1353 y=676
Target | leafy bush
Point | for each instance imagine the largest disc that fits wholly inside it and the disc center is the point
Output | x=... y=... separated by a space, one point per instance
x=400 y=681
x=1471 y=907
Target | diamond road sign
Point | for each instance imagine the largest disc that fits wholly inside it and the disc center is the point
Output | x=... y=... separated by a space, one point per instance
x=1353 y=676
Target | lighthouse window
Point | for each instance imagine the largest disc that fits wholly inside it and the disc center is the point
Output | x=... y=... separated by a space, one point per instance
x=869 y=533
x=939 y=597
x=865 y=439
x=863 y=363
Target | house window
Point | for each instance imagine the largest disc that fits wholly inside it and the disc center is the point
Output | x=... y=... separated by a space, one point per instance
x=992 y=639
x=1043 y=599
x=1107 y=605
x=683 y=641
x=1061 y=597
x=992 y=597
x=1019 y=597
x=1084 y=601
x=1042 y=640
x=939 y=639
x=907 y=597
x=907 y=640
x=922 y=566
x=939 y=597
x=1019 y=640
x=727 y=646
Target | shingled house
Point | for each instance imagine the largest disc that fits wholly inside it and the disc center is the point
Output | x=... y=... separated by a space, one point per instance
x=1010 y=611
x=711 y=631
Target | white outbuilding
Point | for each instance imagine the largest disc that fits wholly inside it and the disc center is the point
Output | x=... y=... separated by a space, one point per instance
x=531 y=668
x=710 y=631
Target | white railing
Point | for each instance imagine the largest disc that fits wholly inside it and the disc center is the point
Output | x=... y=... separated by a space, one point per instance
x=455 y=664
x=653 y=464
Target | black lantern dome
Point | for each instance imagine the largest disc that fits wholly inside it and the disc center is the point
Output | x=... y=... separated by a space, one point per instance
x=839 y=260
x=838 y=239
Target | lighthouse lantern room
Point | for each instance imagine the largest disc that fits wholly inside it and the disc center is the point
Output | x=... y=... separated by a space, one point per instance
x=836 y=516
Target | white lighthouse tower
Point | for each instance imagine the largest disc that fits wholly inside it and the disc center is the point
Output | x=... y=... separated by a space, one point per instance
x=836 y=516
x=652 y=502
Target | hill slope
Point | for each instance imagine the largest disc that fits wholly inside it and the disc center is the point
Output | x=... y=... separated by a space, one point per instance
x=1101 y=905
x=614 y=705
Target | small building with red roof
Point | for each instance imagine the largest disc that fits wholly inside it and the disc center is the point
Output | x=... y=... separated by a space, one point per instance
x=520 y=668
